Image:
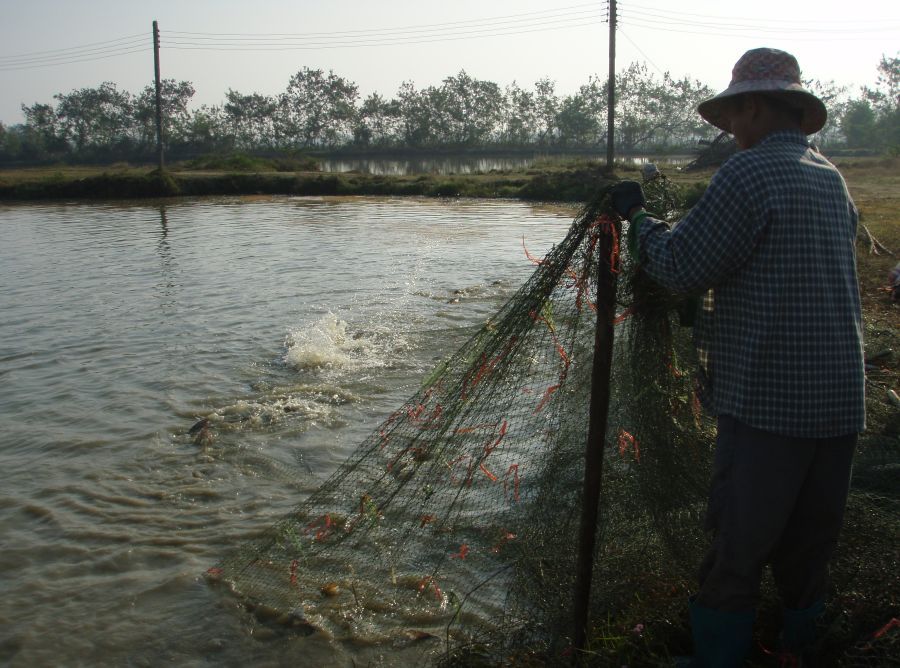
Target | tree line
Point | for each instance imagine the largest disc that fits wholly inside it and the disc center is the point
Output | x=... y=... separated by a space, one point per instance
x=324 y=112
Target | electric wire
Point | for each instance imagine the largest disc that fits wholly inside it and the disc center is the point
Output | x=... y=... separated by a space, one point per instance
x=417 y=29
x=640 y=50
x=633 y=14
x=487 y=32
x=839 y=24
x=731 y=34
x=67 y=61
x=638 y=15
x=350 y=45
x=572 y=16
x=481 y=32
x=668 y=21
x=73 y=49
x=93 y=51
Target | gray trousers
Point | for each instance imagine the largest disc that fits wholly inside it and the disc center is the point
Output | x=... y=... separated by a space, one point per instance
x=775 y=500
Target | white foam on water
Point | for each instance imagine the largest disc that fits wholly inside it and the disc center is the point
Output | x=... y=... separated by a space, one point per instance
x=332 y=344
x=268 y=411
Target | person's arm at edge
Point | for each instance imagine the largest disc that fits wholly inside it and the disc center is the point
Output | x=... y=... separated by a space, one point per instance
x=710 y=242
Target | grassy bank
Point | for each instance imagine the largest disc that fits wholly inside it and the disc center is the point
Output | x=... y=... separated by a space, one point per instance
x=561 y=182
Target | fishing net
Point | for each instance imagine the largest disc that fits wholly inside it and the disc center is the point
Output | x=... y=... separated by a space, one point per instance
x=452 y=530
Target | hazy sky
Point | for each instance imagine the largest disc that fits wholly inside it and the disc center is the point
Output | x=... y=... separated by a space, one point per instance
x=52 y=46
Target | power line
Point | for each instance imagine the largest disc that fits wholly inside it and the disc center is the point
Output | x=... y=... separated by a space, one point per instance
x=572 y=16
x=67 y=61
x=838 y=23
x=73 y=48
x=372 y=43
x=719 y=31
x=418 y=28
x=380 y=38
x=633 y=14
x=660 y=20
x=640 y=50
x=693 y=23
x=76 y=56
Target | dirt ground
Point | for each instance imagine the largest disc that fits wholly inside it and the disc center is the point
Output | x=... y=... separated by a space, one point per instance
x=875 y=187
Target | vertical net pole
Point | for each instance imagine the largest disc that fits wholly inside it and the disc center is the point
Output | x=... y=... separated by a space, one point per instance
x=599 y=409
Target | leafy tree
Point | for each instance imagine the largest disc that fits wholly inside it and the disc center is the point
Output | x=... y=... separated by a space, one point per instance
x=473 y=109
x=546 y=110
x=415 y=113
x=889 y=130
x=321 y=110
x=378 y=122
x=174 y=98
x=677 y=118
x=873 y=120
x=7 y=152
x=651 y=112
x=519 y=121
x=858 y=124
x=317 y=109
x=885 y=99
x=886 y=94
x=634 y=90
x=97 y=118
x=41 y=136
x=582 y=116
x=436 y=112
x=340 y=106
x=250 y=119
x=207 y=131
x=835 y=99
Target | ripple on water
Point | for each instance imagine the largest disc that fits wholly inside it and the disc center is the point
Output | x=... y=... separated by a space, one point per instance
x=292 y=324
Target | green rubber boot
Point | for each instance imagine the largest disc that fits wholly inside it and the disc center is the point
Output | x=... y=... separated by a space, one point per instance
x=798 y=632
x=721 y=639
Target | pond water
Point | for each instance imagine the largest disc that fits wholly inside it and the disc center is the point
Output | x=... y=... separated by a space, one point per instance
x=297 y=323
x=473 y=165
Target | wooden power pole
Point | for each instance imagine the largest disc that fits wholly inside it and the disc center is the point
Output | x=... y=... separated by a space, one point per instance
x=159 y=142
x=611 y=93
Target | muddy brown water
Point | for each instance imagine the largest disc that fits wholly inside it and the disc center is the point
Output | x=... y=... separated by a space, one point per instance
x=294 y=325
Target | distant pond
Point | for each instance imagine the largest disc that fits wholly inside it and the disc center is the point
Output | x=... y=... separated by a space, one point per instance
x=446 y=165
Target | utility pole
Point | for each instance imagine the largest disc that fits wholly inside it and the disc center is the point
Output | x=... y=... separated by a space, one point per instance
x=159 y=143
x=611 y=93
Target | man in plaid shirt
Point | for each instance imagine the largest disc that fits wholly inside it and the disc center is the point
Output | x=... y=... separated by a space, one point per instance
x=773 y=238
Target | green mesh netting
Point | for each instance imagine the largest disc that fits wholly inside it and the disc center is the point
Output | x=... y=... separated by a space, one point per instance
x=453 y=527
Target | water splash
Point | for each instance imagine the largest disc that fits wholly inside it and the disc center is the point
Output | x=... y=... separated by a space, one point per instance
x=331 y=344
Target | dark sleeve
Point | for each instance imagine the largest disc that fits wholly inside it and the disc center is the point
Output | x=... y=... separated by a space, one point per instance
x=715 y=238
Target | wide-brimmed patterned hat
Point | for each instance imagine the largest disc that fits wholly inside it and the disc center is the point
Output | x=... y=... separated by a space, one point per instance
x=767 y=71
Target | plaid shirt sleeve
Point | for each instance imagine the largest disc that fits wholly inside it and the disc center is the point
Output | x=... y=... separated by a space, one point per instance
x=774 y=238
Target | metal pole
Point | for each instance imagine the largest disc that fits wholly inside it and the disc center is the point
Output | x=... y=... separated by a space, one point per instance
x=599 y=409
x=159 y=142
x=611 y=101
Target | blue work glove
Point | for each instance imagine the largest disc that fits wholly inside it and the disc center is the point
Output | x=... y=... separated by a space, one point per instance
x=625 y=196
